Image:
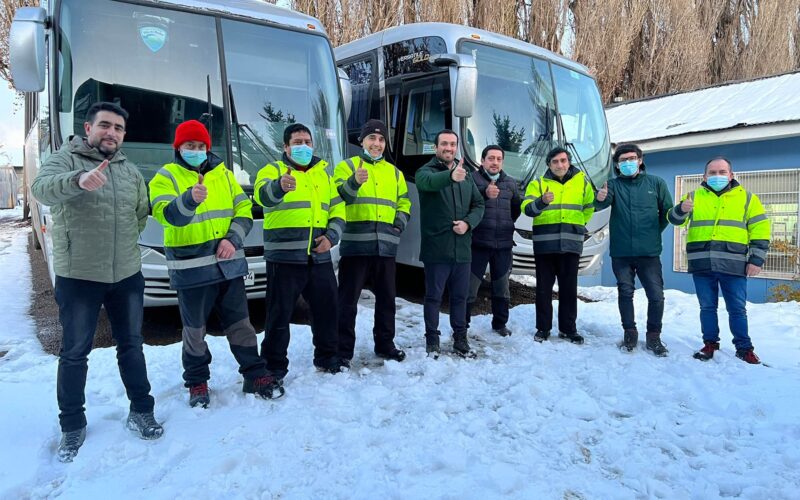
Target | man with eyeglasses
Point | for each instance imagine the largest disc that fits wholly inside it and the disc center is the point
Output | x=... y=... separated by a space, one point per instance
x=639 y=204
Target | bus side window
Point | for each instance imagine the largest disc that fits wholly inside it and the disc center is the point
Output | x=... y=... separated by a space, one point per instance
x=425 y=117
x=361 y=77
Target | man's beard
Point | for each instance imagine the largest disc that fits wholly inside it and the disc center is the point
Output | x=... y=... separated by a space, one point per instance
x=105 y=150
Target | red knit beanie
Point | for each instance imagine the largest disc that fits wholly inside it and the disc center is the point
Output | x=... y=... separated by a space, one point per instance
x=191 y=130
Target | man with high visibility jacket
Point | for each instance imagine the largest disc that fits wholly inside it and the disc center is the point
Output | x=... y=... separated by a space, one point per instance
x=303 y=219
x=206 y=217
x=561 y=204
x=727 y=242
x=378 y=210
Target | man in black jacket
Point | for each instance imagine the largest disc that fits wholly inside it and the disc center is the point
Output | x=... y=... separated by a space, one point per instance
x=493 y=239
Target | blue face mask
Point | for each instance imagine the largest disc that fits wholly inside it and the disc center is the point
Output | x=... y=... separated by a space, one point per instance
x=493 y=177
x=629 y=167
x=301 y=154
x=374 y=158
x=717 y=182
x=193 y=158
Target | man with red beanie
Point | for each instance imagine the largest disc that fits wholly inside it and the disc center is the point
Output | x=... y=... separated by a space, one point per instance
x=206 y=217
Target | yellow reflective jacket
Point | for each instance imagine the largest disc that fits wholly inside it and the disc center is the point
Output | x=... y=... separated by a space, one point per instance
x=294 y=220
x=559 y=227
x=192 y=231
x=727 y=229
x=377 y=211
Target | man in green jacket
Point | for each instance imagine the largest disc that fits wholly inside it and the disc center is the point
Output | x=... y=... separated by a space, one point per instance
x=451 y=206
x=99 y=204
x=639 y=204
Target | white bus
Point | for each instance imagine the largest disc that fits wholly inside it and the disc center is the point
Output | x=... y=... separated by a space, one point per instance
x=491 y=89
x=245 y=68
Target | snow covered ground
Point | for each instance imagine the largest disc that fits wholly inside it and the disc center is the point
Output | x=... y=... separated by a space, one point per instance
x=523 y=420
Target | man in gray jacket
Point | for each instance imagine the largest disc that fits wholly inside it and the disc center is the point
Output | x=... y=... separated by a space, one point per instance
x=99 y=204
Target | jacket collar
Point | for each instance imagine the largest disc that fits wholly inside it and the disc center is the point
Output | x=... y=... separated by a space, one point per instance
x=485 y=175
x=731 y=185
x=572 y=172
x=212 y=162
x=294 y=166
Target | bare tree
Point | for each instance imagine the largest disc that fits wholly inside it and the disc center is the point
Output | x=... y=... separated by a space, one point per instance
x=7 y=11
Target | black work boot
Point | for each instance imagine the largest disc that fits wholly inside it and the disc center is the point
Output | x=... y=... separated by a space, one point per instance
x=541 y=335
x=461 y=345
x=432 y=345
x=502 y=331
x=393 y=354
x=654 y=344
x=630 y=337
x=144 y=425
x=71 y=442
x=575 y=338
x=266 y=386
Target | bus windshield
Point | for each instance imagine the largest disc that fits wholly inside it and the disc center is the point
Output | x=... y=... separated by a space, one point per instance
x=518 y=105
x=163 y=67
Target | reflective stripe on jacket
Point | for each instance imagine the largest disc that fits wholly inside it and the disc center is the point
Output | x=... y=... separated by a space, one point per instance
x=559 y=227
x=727 y=230
x=293 y=220
x=192 y=231
x=377 y=211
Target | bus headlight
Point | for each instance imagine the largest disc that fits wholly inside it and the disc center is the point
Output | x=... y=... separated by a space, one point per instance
x=598 y=237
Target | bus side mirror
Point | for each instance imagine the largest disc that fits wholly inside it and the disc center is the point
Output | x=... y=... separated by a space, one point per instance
x=347 y=92
x=466 y=81
x=26 y=47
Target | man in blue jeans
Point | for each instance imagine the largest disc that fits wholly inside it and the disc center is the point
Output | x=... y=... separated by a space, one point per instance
x=99 y=203
x=639 y=204
x=727 y=242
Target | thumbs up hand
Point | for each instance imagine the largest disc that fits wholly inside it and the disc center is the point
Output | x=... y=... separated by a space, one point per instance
x=492 y=191
x=361 y=175
x=94 y=178
x=459 y=174
x=603 y=192
x=548 y=196
x=687 y=205
x=288 y=183
x=199 y=191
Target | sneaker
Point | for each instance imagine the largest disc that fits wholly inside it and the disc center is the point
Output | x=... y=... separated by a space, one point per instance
x=70 y=444
x=503 y=332
x=541 y=335
x=198 y=395
x=144 y=425
x=393 y=354
x=655 y=345
x=748 y=356
x=461 y=346
x=332 y=365
x=707 y=351
x=575 y=338
x=267 y=387
x=630 y=337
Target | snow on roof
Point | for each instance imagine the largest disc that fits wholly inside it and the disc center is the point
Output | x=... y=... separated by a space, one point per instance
x=731 y=105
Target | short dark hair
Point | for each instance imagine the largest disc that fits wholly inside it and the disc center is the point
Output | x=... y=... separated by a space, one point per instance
x=555 y=152
x=627 y=148
x=105 y=106
x=730 y=165
x=292 y=129
x=492 y=147
x=444 y=131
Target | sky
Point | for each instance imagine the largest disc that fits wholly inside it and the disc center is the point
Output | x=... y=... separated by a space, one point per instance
x=12 y=135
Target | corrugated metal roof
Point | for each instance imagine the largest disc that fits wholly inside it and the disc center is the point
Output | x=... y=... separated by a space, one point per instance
x=731 y=105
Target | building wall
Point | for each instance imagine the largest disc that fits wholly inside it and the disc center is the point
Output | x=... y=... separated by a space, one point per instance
x=751 y=156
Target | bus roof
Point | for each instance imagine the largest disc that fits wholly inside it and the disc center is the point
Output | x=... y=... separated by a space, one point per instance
x=253 y=9
x=451 y=33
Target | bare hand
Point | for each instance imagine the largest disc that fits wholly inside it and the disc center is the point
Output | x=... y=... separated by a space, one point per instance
x=603 y=192
x=687 y=205
x=459 y=174
x=548 y=196
x=460 y=227
x=323 y=244
x=361 y=175
x=94 y=178
x=225 y=250
x=492 y=191
x=752 y=270
x=288 y=183
x=199 y=190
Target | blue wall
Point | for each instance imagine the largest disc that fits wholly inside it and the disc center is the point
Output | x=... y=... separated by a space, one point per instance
x=760 y=155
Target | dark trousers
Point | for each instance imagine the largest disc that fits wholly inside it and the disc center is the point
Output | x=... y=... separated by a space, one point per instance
x=454 y=277
x=228 y=300
x=564 y=267
x=648 y=269
x=354 y=272
x=79 y=303
x=285 y=283
x=499 y=262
